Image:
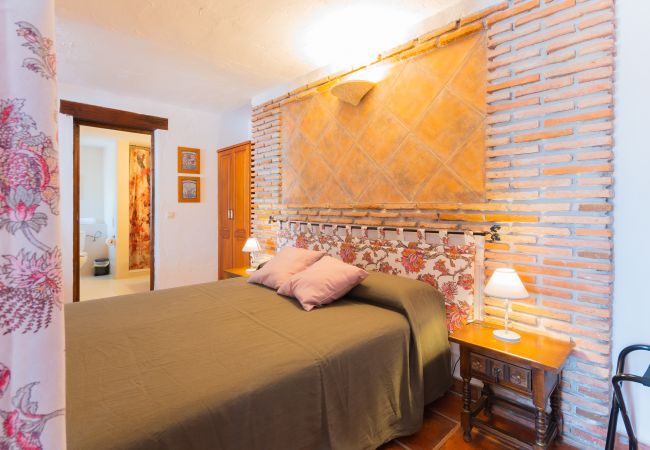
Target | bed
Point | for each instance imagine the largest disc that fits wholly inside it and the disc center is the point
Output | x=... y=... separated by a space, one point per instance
x=232 y=365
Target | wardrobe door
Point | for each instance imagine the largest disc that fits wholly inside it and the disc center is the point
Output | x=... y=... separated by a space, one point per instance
x=225 y=207
x=241 y=216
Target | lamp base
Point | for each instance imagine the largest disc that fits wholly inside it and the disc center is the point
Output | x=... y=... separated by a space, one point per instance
x=506 y=335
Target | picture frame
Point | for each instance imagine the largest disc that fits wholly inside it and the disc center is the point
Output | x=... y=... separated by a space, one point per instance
x=189 y=189
x=189 y=160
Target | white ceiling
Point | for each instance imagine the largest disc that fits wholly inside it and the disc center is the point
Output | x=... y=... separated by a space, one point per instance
x=216 y=54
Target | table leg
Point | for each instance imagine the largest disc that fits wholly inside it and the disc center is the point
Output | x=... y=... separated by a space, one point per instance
x=466 y=414
x=540 y=429
x=540 y=399
x=556 y=411
x=487 y=393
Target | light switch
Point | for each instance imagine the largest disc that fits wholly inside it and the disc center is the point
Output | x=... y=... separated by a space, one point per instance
x=171 y=214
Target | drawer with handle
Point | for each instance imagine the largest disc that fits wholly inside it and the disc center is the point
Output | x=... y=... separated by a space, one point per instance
x=496 y=371
x=478 y=364
x=519 y=377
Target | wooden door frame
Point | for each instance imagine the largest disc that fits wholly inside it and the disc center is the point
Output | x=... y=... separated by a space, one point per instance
x=113 y=119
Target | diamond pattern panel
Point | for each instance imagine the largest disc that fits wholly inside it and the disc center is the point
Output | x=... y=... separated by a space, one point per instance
x=418 y=136
x=383 y=136
x=445 y=133
x=335 y=144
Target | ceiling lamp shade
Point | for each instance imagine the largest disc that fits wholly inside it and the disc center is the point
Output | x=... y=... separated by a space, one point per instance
x=506 y=284
x=352 y=91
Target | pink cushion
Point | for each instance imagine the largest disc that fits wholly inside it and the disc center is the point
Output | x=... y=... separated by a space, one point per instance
x=288 y=261
x=323 y=282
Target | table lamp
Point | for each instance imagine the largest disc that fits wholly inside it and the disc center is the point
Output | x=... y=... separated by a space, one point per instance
x=506 y=284
x=251 y=246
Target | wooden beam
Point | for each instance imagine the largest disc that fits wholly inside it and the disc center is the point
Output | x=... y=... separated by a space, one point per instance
x=113 y=118
x=76 y=247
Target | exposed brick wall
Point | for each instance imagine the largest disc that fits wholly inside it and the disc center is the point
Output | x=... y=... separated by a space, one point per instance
x=549 y=180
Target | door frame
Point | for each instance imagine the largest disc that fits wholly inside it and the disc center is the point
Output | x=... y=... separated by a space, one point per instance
x=113 y=119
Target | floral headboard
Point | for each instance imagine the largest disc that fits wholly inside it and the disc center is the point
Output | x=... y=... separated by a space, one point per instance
x=453 y=268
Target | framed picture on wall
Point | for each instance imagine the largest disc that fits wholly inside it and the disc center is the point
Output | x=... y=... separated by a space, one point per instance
x=189 y=189
x=189 y=160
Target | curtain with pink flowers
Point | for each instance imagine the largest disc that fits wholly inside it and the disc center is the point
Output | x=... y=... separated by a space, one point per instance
x=32 y=383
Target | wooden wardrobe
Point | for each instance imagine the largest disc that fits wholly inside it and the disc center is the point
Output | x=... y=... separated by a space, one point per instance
x=234 y=205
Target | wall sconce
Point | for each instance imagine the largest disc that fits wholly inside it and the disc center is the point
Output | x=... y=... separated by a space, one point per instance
x=352 y=91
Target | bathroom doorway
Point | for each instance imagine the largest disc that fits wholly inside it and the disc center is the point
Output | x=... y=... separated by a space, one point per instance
x=114 y=212
x=136 y=135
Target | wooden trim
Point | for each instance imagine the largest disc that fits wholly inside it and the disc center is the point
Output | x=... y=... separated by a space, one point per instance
x=85 y=123
x=152 y=215
x=198 y=190
x=197 y=152
x=234 y=146
x=75 y=210
x=112 y=118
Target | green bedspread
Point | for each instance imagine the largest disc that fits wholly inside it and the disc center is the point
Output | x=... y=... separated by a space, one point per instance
x=230 y=365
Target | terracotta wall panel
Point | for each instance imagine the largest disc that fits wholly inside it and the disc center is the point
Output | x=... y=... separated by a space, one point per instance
x=429 y=109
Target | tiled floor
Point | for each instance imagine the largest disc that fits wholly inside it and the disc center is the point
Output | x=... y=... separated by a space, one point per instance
x=91 y=287
x=441 y=431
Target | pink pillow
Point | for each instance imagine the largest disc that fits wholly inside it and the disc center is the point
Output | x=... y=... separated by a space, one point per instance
x=323 y=282
x=288 y=261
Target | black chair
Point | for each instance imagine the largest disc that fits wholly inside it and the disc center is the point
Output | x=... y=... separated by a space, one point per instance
x=618 y=403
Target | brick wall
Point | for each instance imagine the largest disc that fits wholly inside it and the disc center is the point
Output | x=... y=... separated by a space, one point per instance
x=549 y=180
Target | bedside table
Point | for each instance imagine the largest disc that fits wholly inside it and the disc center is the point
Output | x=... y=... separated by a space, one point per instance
x=237 y=272
x=531 y=368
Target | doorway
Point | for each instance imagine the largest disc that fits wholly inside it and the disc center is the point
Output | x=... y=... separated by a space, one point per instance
x=134 y=134
x=114 y=212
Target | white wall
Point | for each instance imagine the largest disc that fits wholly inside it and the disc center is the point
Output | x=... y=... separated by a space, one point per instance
x=186 y=245
x=110 y=198
x=91 y=204
x=632 y=189
x=91 y=183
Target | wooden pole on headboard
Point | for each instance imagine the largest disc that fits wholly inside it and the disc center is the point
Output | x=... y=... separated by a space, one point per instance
x=493 y=233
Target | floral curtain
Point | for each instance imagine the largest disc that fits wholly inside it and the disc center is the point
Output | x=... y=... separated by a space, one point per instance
x=32 y=383
x=139 y=207
x=450 y=268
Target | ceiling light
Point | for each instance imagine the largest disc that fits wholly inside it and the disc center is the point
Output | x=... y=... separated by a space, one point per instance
x=350 y=35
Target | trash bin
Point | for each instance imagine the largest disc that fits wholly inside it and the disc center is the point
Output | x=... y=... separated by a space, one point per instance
x=102 y=266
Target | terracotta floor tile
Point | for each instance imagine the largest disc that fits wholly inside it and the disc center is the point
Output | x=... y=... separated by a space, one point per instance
x=391 y=446
x=438 y=427
x=433 y=431
x=479 y=441
x=449 y=405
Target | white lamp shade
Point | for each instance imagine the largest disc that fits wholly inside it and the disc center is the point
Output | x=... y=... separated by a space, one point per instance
x=251 y=245
x=505 y=283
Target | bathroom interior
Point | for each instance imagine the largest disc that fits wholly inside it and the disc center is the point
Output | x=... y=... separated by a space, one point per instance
x=114 y=212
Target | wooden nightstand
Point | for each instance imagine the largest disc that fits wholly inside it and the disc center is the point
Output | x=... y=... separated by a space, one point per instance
x=531 y=368
x=237 y=272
